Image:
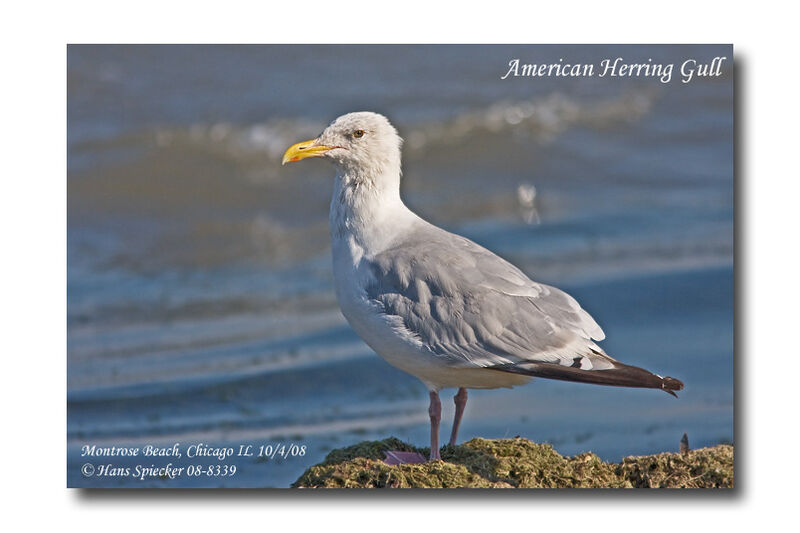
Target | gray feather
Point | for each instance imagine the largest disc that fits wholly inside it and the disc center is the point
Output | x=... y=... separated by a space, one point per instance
x=469 y=306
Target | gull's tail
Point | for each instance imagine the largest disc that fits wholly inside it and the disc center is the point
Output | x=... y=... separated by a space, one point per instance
x=621 y=375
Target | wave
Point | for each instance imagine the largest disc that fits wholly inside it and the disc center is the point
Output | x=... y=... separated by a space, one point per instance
x=543 y=117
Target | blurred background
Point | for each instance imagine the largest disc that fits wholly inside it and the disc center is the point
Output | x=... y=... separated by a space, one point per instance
x=200 y=300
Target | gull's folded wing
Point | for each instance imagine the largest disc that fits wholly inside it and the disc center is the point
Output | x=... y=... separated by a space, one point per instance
x=474 y=309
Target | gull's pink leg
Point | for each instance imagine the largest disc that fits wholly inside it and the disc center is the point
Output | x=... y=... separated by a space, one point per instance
x=435 y=410
x=461 y=402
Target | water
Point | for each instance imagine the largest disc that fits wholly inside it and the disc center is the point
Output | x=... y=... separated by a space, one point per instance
x=200 y=302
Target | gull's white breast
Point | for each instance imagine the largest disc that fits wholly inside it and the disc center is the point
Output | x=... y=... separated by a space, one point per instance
x=383 y=333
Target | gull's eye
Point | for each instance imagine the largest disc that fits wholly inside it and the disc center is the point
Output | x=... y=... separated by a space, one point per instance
x=358 y=134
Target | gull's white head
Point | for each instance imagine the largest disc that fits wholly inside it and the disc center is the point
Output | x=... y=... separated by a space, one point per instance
x=362 y=143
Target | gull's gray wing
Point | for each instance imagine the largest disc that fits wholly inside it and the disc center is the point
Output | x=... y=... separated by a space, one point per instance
x=474 y=309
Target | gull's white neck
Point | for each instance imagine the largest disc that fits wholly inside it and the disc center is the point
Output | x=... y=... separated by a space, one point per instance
x=366 y=210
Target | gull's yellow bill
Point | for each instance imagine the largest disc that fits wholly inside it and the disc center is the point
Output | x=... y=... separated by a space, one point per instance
x=304 y=149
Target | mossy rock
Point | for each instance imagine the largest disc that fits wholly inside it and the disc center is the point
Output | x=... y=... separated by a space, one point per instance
x=516 y=463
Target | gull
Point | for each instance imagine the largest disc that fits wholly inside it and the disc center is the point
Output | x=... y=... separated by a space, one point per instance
x=437 y=305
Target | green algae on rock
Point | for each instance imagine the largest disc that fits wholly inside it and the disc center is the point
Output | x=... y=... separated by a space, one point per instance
x=517 y=463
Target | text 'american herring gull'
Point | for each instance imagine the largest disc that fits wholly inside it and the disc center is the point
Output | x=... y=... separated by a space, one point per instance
x=437 y=305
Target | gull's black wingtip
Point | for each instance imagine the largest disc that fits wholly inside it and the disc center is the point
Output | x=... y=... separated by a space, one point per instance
x=670 y=385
